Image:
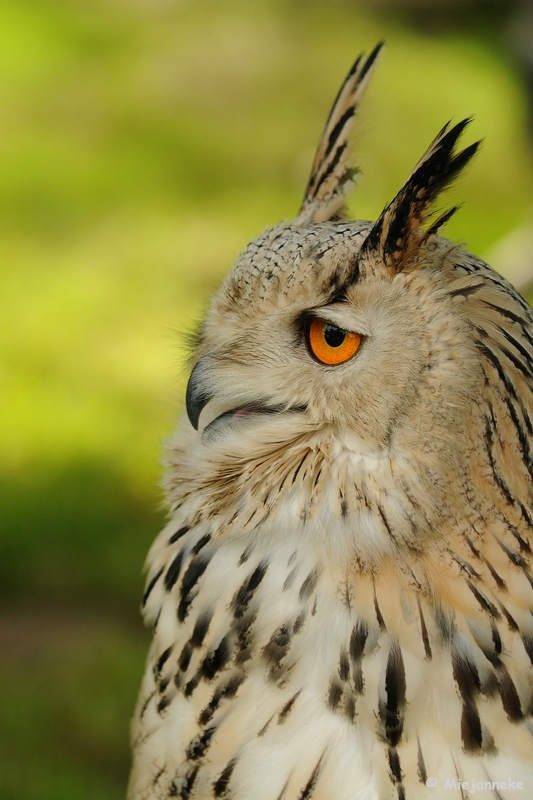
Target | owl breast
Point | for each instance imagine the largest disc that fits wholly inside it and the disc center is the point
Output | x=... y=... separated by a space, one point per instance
x=286 y=677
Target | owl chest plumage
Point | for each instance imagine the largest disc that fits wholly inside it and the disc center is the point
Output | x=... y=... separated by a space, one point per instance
x=278 y=672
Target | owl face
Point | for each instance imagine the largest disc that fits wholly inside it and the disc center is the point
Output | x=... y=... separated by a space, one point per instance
x=300 y=341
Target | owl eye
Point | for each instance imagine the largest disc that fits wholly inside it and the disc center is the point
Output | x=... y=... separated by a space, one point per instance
x=331 y=345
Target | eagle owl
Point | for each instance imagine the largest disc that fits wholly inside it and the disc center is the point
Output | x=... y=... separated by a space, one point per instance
x=342 y=602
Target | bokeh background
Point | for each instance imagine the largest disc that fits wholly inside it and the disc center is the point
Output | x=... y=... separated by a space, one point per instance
x=142 y=144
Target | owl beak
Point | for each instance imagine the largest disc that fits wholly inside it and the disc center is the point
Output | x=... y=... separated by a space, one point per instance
x=197 y=396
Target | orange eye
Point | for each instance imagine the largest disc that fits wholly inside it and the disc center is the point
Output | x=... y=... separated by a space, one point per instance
x=332 y=345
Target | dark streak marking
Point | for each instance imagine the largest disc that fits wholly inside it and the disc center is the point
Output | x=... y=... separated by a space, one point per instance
x=289 y=580
x=514 y=558
x=154 y=627
x=162 y=660
x=300 y=465
x=511 y=622
x=281 y=795
x=242 y=598
x=524 y=370
x=465 y=567
x=379 y=617
x=336 y=132
x=334 y=694
x=344 y=508
x=509 y=695
x=357 y=646
x=347 y=600
x=466 y=676
x=471 y=729
x=500 y=583
x=498 y=479
x=179 y=533
x=285 y=711
x=394 y=765
x=201 y=543
x=146 y=704
x=200 y=628
x=309 y=585
x=344 y=666
x=187 y=786
x=245 y=556
x=242 y=628
x=174 y=570
x=467 y=290
x=522 y=543
x=391 y=711
x=425 y=635
x=512 y=316
x=523 y=439
x=472 y=546
x=467 y=679
x=350 y=707
x=309 y=788
x=185 y=657
x=518 y=346
x=216 y=659
x=485 y=604
x=163 y=704
x=199 y=745
x=159 y=773
x=191 y=685
x=510 y=394
x=299 y=622
x=496 y=638
x=150 y=586
x=276 y=648
x=192 y=575
x=422 y=772
x=332 y=164
x=227 y=690
x=265 y=726
x=386 y=522
x=221 y=786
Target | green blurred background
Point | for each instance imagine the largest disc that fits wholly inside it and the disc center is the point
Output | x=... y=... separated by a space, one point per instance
x=142 y=144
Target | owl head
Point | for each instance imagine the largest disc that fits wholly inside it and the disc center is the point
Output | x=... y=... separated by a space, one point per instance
x=352 y=370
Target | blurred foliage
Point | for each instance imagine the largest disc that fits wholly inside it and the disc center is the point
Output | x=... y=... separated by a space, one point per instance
x=142 y=144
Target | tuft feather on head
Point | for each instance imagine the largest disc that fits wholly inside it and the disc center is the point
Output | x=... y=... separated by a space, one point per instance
x=332 y=174
x=397 y=235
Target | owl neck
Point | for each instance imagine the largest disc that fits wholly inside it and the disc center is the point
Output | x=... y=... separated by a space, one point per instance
x=351 y=503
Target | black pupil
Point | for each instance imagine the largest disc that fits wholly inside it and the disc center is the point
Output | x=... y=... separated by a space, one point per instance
x=334 y=336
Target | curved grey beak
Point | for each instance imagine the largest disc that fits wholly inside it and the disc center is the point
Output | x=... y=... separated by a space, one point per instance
x=197 y=395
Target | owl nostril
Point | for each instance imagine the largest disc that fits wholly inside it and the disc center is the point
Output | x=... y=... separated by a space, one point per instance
x=197 y=396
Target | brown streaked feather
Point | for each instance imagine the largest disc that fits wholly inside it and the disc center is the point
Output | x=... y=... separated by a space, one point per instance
x=395 y=237
x=332 y=175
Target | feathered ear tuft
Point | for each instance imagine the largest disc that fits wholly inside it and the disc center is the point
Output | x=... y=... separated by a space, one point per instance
x=397 y=235
x=332 y=175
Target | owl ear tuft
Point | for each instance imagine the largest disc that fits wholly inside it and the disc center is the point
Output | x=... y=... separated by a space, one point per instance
x=397 y=235
x=332 y=174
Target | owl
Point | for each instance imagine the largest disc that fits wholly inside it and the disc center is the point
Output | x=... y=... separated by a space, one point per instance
x=342 y=601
